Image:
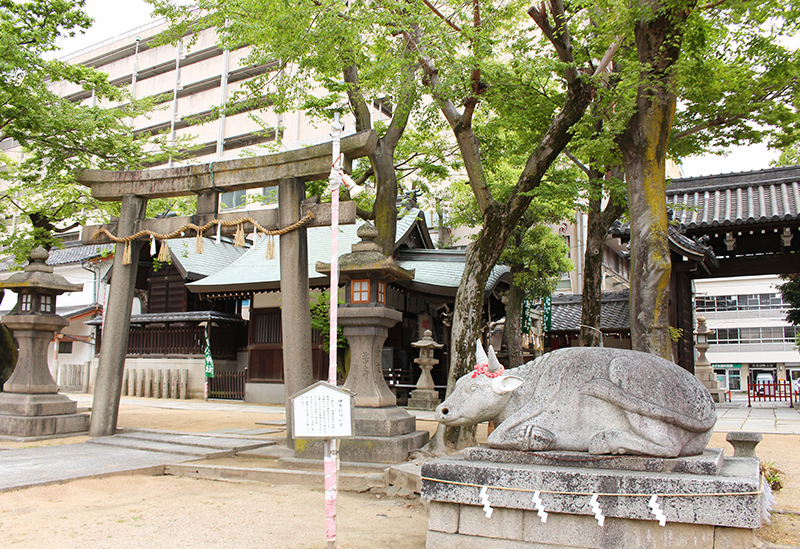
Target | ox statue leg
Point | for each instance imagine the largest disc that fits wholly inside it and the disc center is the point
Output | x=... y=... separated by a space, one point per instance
x=627 y=442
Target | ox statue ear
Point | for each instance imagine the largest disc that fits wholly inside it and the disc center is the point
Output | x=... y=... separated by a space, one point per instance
x=505 y=384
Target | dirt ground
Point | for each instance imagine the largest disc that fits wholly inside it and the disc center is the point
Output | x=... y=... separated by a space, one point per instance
x=131 y=511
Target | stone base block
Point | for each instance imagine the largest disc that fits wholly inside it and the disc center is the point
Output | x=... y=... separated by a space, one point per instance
x=33 y=405
x=389 y=421
x=702 y=510
x=453 y=526
x=423 y=399
x=710 y=462
x=367 y=449
x=39 y=427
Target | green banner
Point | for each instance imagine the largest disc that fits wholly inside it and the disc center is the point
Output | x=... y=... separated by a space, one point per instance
x=209 y=361
x=547 y=314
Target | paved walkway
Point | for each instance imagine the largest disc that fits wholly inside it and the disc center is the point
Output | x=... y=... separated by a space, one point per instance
x=49 y=464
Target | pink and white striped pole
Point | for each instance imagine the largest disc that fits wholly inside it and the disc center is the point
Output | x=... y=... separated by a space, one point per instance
x=331 y=458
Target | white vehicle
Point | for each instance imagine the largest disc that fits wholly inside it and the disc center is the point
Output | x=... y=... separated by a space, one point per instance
x=765 y=384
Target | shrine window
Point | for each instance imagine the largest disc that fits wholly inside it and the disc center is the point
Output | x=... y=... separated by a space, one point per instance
x=359 y=291
x=382 y=292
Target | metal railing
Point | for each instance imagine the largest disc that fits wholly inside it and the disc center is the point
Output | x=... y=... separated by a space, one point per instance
x=780 y=391
x=227 y=385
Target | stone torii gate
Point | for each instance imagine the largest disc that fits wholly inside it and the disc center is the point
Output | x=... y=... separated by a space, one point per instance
x=289 y=170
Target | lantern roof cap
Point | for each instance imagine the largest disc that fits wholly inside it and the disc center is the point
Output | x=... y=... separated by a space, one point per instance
x=367 y=260
x=39 y=276
x=427 y=341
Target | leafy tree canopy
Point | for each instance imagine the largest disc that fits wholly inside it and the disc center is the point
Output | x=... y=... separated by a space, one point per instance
x=790 y=292
x=55 y=137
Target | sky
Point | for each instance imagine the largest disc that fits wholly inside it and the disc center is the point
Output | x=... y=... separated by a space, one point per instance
x=115 y=18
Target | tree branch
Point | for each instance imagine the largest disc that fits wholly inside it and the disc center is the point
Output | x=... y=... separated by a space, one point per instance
x=356 y=98
x=441 y=16
x=558 y=35
x=577 y=162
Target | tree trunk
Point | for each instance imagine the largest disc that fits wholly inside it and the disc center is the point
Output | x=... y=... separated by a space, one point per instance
x=597 y=225
x=644 y=147
x=385 y=207
x=513 y=328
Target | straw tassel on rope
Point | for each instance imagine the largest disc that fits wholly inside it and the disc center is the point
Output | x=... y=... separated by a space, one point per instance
x=270 y=247
x=163 y=253
x=126 y=254
x=238 y=240
x=198 y=242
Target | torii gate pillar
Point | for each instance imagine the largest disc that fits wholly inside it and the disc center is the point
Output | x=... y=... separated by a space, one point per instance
x=116 y=327
x=295 y=306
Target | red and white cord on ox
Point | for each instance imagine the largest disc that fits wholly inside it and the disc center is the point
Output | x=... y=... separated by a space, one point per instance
x=483 y=362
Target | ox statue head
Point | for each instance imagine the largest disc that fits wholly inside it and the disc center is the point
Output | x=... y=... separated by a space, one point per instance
x=480 y=395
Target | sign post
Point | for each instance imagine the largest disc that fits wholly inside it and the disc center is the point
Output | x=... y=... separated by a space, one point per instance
x=325 y=411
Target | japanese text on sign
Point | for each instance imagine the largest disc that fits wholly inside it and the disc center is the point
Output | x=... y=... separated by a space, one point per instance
x=323 y=412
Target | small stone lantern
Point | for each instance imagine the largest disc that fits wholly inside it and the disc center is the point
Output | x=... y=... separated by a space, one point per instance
x=702 y=367
x=30 y=406
x=425 y=396
x=365 y=317
x=384 y=432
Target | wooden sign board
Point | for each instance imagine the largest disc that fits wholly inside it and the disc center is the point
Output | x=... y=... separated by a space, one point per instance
x=322 y=411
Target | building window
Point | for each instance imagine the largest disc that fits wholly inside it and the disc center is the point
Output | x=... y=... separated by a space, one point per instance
x=359 y=291
x=270 y=195
x=742 y=302
x=234 y=199
x=64 y=347
x=26 y=303
x=382 y=292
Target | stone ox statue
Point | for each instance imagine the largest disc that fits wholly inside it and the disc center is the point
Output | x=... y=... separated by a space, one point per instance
x=586 y=399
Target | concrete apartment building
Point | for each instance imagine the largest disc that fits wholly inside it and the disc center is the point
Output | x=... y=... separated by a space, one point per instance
x=752 y=335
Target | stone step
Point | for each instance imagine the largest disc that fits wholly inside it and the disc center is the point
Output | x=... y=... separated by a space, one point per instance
x=292 y=462
x=163 y=447
x=352 y=482
x=200 y=440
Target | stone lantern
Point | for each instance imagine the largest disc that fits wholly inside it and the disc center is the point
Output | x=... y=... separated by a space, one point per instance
x=425 y=396
x=384 y=432
x=30 y=406
x=702 y=367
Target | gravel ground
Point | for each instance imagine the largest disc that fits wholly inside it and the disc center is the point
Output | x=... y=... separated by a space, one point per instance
x=132 y=511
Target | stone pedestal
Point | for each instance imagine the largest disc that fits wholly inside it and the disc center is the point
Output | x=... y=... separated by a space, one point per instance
x=383 y=432
x=33 y=417
x=724 y=518
x=424 y=399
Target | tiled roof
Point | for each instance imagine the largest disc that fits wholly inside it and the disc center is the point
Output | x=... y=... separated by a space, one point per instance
x=614 y=312
x=188 y=316
x=441 y=270
x=253 y=271
x=72 y=252
x=194 y=266
x=754 y=197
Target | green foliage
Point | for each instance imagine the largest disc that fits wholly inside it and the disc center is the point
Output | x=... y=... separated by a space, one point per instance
x=772 y=474
x=790 y=292
x=537 y=260
x=738 y=78
x=320 y=320
x=57 y=137
x=790 y=156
